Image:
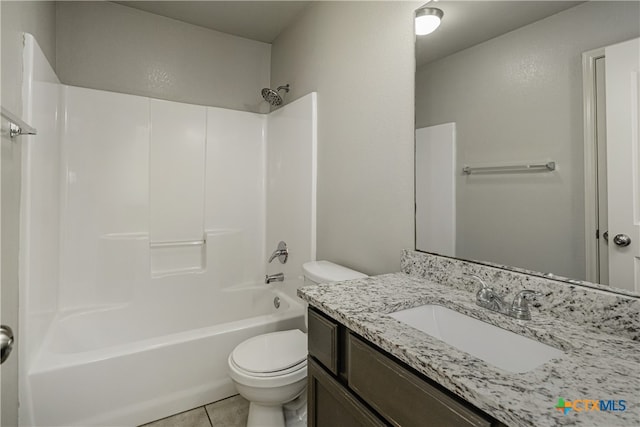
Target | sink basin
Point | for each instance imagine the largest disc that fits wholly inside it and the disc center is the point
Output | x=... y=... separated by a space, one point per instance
x=496 y=346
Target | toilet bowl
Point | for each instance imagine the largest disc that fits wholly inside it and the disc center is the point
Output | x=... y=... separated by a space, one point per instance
x=270 y=370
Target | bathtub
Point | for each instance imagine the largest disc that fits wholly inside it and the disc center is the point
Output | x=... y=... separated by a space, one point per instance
x=136 y=363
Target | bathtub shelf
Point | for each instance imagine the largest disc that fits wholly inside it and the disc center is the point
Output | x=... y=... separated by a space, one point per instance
x=177 y=243
x=531 y=167
x=169 y=258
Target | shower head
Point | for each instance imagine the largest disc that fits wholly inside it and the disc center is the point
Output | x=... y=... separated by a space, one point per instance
x=272 y=96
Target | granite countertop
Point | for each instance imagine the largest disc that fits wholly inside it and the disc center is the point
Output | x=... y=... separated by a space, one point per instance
x=595 y=365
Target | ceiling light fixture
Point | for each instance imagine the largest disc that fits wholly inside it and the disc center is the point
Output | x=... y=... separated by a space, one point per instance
x=427 y=20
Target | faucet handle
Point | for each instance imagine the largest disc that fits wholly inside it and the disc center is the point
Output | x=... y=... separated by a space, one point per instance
x=282 y=253
x=520 y=305
x=520 y=296
x=478 y=278
x=485 y=287
x=486 y=295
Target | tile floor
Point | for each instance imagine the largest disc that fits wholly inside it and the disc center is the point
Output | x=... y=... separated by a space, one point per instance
x=230 y=412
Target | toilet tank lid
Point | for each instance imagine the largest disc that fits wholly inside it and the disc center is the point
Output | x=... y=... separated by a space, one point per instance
x=326 y=271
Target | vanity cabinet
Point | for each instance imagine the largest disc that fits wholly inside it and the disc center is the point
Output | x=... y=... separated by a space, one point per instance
x=331 y=404
x=354 y=383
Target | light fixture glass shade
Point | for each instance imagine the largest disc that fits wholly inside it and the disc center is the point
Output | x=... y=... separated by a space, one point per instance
x=427 y=20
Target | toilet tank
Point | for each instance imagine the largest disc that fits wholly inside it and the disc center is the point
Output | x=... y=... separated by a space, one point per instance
x=325 y=272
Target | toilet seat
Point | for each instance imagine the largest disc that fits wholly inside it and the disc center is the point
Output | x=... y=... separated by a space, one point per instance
x=301 y=365
x=270 y=360
x=282 y=378
x=272 y=354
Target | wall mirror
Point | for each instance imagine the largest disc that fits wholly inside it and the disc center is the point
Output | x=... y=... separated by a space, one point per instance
x=515 y=104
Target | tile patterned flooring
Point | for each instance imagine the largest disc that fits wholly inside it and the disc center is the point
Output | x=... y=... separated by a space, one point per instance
x=230 y=412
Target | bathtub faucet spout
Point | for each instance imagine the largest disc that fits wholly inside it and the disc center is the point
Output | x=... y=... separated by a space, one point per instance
x=274 y=278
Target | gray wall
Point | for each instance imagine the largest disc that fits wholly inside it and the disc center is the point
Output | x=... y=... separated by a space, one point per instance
x=103 y=45
x=359 y=57
x=37 y=18
x=519 y=97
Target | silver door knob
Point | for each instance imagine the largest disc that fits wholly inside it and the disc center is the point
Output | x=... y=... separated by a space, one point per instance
x=6 y=342
x=622 y=240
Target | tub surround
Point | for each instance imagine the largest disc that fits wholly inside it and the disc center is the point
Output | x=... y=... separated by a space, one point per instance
x=115 y=278
x=601 y=360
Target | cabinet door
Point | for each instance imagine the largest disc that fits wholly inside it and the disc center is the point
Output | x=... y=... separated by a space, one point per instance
x=401 y=397
x=323 y=341
x=331 y=405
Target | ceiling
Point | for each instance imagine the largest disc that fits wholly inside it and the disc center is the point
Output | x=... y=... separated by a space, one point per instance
x=465 y=23
x=256 y=20
x=468 y=23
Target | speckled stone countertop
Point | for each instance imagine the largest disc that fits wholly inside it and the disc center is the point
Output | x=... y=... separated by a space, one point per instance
x=595 y=366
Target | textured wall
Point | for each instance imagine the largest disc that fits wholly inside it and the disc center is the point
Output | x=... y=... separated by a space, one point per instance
x=103 y=45
x=37 y=18
x=518 y=97
x=359 y=57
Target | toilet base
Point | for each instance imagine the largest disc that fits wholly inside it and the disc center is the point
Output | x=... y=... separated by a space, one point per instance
x=265 y=416
x=292 y=414
x=295 y=412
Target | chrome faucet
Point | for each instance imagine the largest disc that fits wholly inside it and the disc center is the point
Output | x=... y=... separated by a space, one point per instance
x=282 y=253
x=487 y=298
x=520 y=306
x=278 y=277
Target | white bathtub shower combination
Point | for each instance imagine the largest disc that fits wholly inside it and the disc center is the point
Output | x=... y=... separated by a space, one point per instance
x=146 y=226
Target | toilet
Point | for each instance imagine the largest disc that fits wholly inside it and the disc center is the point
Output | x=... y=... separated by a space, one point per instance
x=270 y=370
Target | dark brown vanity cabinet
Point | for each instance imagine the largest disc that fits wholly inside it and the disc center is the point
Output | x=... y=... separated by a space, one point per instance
x=353 y=383
x=332 y=405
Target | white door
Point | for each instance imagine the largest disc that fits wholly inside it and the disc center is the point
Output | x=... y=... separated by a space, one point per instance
x=9 y=232
x=436 y=189
x=623 y=163
x=601 y=147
